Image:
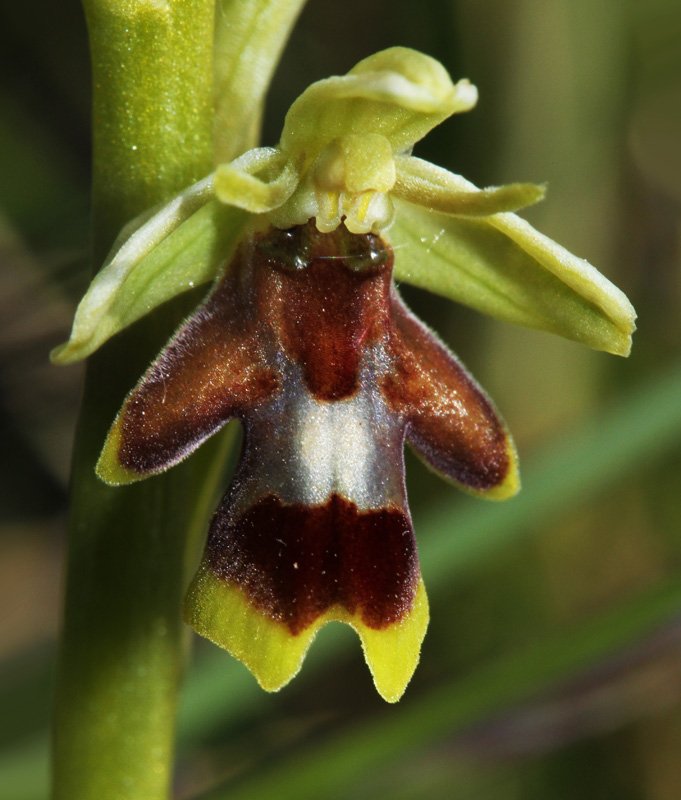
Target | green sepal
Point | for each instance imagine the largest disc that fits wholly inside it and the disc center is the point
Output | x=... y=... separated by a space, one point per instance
x=136 y=279
x=249 y=38
x=502 y=266
x=400 y=93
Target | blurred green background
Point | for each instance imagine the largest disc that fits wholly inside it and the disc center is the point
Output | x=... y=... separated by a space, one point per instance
x=552 y=667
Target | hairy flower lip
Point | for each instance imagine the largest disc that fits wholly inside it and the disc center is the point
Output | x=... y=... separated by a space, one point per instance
x=330 y=374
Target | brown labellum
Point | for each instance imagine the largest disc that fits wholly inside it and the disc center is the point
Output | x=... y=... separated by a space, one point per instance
x=307 y=342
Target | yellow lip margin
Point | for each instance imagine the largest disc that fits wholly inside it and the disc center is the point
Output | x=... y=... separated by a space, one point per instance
x=221 y=612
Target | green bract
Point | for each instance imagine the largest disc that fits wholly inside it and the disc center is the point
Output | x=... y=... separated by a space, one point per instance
x=344 y=158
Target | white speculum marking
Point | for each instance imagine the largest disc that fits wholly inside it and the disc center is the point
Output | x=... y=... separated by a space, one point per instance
x=303 y=450
x=335 y=445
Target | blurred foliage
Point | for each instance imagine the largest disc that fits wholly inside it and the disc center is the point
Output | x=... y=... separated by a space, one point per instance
x=551 y=668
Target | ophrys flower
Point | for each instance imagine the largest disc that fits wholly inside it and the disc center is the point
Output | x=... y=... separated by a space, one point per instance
x=305 y=340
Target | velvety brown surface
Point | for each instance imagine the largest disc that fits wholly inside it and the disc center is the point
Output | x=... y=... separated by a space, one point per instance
x=318 y=305
x=316 y=301
x=328 y=312
x=212 y=370
x=450 y=421
x=295 y=562
x=319 y=298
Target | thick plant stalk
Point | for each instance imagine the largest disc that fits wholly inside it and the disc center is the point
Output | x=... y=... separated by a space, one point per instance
x=130 y=548
x=157 y=85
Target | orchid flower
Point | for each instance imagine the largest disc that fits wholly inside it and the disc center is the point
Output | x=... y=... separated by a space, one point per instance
x=305 y=339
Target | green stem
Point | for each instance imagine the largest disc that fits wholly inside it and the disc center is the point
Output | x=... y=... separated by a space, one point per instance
x=130 y=548
x=152 y=63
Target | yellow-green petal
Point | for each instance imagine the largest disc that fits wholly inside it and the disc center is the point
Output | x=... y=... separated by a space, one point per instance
x=500 y=265
x=437 y=189
x=239 y=188
x=221 y=612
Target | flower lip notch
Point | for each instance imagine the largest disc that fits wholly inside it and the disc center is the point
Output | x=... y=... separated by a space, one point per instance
x=304 y=339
